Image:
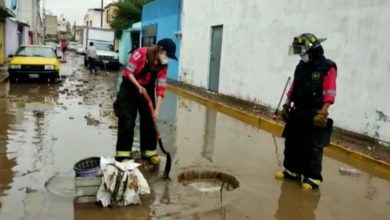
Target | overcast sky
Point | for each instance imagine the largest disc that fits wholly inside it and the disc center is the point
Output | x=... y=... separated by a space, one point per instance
x=73 y=10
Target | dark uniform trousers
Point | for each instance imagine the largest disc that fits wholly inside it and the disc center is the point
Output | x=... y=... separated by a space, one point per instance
x=304 y=144
x=130 y=102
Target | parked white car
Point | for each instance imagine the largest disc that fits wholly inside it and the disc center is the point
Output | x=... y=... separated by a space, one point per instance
x=80 y=49
x=73 y=46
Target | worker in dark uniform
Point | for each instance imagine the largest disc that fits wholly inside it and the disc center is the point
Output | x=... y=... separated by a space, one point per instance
x=308 y=128
x=145 y=73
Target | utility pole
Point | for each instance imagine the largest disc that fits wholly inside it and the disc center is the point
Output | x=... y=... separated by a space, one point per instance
x=101 y=15
x=44 y=18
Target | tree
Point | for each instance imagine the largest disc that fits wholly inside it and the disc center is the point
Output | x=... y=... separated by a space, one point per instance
x=128 y=12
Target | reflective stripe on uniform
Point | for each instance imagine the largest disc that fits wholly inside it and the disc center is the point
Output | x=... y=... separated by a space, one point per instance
x=291 y=173
x=149 y=153
x=317 y=182
x=131 y=67
x=123 y=153
x=329 y=92
x=162 y=82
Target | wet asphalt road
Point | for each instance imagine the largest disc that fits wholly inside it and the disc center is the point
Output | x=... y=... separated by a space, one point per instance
x=46 y=128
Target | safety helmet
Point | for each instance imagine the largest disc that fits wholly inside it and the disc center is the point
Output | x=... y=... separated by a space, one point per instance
x=304 y=43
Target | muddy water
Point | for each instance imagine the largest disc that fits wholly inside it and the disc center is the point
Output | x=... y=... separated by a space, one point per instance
x=44 y=131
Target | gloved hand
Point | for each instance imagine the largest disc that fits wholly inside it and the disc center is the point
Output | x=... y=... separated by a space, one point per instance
x=286 y=112
x=321 y=119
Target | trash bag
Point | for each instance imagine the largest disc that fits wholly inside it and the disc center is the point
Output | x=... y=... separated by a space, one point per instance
x=122 y=183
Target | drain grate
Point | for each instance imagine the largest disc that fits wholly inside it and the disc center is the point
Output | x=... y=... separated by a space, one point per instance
x=209 y=181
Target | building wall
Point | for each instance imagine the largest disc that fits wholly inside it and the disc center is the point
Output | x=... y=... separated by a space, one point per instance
x=11 y=37
x=24 y=12
x=29 y=12
x=166 y=14
x=108 y=15
x=25 y=37
x=124 y=47
x=62 y=24
x=255 y=65
x=127 y=41
x=51 y=25
x=93 y=16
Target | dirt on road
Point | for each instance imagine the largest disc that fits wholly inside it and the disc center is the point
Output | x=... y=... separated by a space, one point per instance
x=46 y=128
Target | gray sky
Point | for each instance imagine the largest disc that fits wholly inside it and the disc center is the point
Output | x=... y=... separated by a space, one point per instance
x=73 y=10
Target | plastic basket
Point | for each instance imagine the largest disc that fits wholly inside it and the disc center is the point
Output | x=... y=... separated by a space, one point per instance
x=89 y=167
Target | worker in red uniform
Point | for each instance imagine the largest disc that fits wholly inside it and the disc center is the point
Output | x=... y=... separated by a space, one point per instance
x=145 y=73
x=64 y=44
x=308 y=128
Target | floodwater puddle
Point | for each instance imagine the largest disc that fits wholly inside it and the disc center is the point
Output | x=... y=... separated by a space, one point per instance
x=46 y=128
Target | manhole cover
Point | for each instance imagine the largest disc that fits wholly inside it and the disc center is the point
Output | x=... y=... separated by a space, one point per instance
x=209 y=181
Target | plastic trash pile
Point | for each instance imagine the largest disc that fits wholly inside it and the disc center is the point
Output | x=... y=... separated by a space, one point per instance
x=122 y=183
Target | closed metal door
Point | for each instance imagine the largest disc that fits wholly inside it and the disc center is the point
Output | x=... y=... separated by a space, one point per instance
x=215 y=57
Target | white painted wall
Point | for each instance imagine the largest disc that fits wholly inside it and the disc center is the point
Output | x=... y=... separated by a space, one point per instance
x=28 y=11
x=255 y=65
x=62 y=24
x=94 y=16
x=11 y=37
x=25 y=38
x=24 y=12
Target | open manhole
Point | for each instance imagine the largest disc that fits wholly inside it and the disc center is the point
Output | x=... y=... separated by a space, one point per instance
x=209 y=181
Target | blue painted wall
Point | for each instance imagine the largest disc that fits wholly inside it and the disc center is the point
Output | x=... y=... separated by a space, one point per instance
x=166 y=14
x=124 y=47
x=125 y=44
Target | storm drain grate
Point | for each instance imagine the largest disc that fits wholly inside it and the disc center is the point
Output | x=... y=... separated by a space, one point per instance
x=209 y=181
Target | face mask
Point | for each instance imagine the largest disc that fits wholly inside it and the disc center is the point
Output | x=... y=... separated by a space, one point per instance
x=163 y=59
x=305 y=58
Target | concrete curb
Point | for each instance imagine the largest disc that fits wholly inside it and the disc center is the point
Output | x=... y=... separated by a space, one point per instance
x=335 y=151
x=3 y=75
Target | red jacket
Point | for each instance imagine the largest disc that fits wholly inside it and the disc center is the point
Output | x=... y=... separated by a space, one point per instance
x=328 y=87
x=64 y=44
x=136 y=64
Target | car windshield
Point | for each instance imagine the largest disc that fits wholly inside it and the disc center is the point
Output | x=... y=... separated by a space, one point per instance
x=103 y=46
x=36 y=52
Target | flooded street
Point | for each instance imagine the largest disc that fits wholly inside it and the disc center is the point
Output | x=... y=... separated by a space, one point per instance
x=46 y=128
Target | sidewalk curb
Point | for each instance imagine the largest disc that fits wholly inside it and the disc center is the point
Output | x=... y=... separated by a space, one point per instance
x=335 y=151
x=3 y=76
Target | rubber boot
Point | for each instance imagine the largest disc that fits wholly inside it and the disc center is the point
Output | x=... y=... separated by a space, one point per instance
x=286 y=174
x=310 y=184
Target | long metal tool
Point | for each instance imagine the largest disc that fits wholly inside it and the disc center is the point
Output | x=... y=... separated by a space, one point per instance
x=168 y=163
x=275 y=115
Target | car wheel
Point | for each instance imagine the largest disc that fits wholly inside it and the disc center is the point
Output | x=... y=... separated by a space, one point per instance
x=53 y=78
x=85 y=61
x=12 y=79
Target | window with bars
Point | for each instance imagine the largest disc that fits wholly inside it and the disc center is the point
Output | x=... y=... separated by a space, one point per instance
x=149 y=35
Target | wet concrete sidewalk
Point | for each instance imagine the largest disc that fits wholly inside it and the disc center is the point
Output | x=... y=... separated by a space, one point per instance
x=44 y=131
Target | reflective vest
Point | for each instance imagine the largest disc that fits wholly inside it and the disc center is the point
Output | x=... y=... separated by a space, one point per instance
x=307 y=92
x=152 y=82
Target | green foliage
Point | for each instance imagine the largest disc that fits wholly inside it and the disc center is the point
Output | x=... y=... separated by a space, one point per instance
x=128 y=12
